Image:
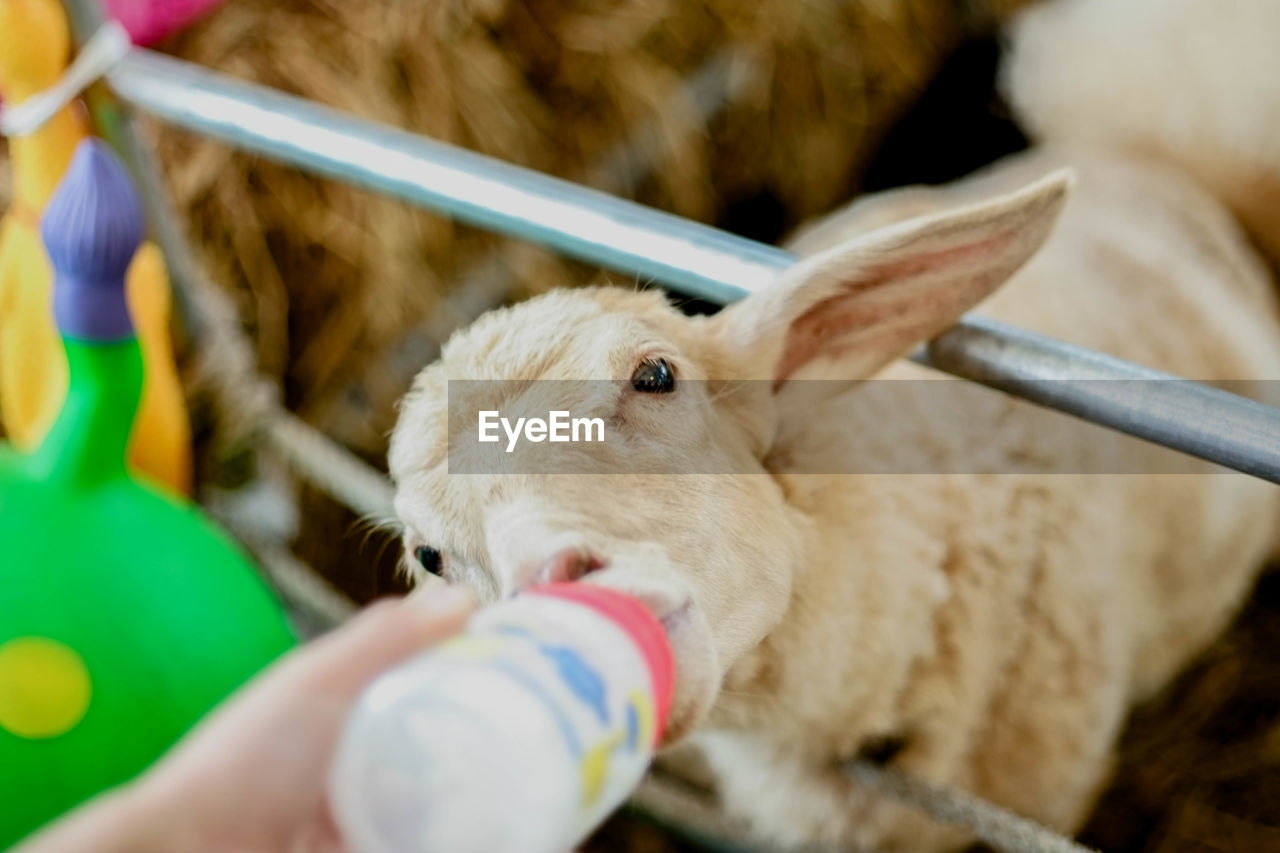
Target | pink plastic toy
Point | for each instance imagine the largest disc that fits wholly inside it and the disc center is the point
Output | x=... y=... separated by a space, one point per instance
x=148 y=21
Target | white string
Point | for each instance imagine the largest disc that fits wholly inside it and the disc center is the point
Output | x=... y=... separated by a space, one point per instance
x=96 y=59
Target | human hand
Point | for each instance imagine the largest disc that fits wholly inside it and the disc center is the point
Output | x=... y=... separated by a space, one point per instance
x=252 y=777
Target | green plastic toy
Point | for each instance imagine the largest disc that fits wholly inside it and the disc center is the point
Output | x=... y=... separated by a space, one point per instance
x=124 y=615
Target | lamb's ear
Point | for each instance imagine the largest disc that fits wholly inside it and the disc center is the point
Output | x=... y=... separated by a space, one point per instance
x=871 y=300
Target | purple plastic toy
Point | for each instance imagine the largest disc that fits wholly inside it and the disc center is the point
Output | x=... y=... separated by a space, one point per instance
x=91 y=238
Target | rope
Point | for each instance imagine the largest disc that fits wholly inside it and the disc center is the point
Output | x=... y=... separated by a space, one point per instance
x=319 y=604
x=329 y=466
x=304 y=588
x=689 y=811
x=249 y=408
x=263 y=516
x=998 y=827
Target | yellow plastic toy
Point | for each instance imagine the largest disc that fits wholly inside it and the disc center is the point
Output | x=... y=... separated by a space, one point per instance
x=34 y=49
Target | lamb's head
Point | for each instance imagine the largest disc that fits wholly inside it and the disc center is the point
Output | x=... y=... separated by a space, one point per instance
x=676 y=504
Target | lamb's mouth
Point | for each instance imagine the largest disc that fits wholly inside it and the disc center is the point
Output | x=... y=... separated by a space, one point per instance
x=668 y=601
x=569 y=565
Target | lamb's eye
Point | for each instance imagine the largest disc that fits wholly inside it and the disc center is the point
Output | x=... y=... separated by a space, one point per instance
x=654 y=376
x=429 y=558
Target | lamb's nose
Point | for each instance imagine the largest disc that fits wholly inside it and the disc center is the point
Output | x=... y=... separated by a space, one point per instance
x=564 y=566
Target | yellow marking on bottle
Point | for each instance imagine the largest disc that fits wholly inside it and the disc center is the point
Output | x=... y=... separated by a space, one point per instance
x=644 y=715
x=473 y=647
x=595 y=767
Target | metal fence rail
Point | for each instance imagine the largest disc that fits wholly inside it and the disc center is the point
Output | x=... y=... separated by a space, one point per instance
x=690 y=257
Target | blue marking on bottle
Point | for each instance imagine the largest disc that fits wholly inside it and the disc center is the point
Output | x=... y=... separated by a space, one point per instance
x=584 y=681
x=633 y=728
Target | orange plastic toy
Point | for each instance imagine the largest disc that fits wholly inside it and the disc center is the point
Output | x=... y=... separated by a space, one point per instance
x=34 y=49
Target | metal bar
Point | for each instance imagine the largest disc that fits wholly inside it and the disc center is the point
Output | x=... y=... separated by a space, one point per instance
x=702 y=261
x=485 y=192
x=1197 y=419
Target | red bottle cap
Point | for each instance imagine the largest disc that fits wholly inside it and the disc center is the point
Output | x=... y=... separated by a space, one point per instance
x=629 y=614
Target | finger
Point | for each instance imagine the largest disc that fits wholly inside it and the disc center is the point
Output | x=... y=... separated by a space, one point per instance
x=383 y=635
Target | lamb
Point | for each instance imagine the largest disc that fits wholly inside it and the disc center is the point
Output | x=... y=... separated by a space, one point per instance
x=994 y=621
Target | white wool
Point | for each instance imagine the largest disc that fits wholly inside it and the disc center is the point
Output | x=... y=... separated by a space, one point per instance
x=1196 y=82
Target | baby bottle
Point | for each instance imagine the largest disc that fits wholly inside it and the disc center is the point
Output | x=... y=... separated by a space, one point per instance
x=518 y=736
